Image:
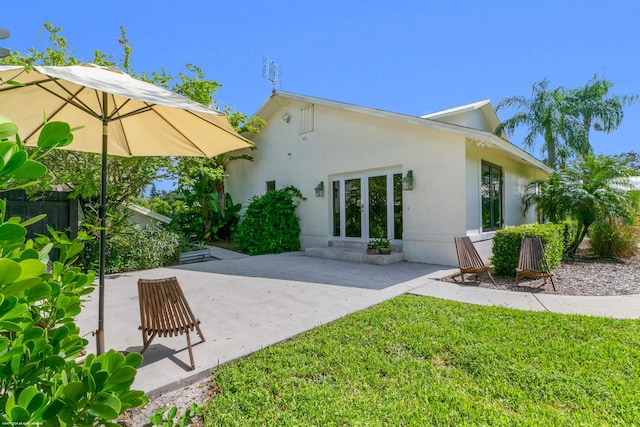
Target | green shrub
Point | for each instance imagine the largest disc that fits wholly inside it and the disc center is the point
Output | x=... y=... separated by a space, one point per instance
x=41 y=381
x=506 y=245
x=614 y=238
x=569 y=231
x=270 y=224
x=136 y=249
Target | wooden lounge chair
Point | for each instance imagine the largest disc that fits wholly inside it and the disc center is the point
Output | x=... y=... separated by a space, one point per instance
x=533 y=262
x=164 y=311
x=469 y=260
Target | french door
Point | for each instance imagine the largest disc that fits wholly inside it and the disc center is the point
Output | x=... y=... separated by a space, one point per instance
x=367 y=205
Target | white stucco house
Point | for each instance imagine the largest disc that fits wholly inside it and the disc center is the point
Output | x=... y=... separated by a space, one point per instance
x=350 y=163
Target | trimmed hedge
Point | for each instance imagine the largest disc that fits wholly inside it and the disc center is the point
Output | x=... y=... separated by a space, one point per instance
x=506 y=245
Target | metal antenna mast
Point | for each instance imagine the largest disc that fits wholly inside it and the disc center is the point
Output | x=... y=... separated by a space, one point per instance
x=271 y=71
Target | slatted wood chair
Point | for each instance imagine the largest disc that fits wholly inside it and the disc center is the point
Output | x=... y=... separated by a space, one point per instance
x=469 y=260
x=533 y=262
x=164 y=311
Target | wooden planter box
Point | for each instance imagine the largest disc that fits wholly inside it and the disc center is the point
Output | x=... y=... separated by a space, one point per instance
x=195 y=256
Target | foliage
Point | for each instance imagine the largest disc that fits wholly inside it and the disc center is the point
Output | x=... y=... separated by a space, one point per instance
x=166 y=417
x=614 y=238
x=543 y=115
x=593 y=188
x=633 y=159
x=564 y=117
x=41 y=381
x=430 y=362
x=270 y=224
x=506 y=246
x=189 y=222
x=135 y=249
x=128 y=177
x=596 y=107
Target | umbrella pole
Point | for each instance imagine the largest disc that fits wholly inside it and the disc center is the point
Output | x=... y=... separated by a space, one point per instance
x=103 y=233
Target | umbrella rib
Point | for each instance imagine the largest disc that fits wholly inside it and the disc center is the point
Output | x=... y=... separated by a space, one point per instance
x=177 y=130
x=74 y=97
x=55 y=113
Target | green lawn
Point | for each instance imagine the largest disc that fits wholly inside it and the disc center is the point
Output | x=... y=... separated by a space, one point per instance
x=422 y=361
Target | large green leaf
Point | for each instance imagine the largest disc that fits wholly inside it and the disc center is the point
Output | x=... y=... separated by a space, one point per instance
x=40 y=291
x=7 y=150
x=9 y=271
x=7 y=129
x=16 y=288
x=53 y=134
x=13 y=232
x=30 y=221
x=107 y=408
x=15 y=162
x=19 y=415
x=31 y=268
x=30 y=169
x=73 y=389
x=122 y=378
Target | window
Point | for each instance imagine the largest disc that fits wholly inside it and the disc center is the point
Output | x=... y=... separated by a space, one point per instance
x=491 y=184
x=271 y=185
x=306 y=119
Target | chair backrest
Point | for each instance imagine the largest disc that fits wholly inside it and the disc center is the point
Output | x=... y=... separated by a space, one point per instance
x=532 y=256
x=163 y=307
x=468 y=256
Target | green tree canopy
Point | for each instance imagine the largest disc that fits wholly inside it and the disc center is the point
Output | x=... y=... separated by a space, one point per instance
x=594 y=187
x=543 y=116
x=565 y=117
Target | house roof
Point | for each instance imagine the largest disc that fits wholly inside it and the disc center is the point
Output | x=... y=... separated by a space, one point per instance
x=149 y=213
x=484 y=107
x=435 y=121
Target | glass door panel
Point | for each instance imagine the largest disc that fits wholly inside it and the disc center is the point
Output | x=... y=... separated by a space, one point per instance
x=377 y=206
x=336 y=208
x=353 y=207
x=397 y=206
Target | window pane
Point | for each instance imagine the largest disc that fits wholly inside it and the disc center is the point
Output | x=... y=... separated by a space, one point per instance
x=336 y=208
x=496 y=199
x=397 y=206
x=353 y=206
x=378 y=206
x=485 y=192
x=491 y=194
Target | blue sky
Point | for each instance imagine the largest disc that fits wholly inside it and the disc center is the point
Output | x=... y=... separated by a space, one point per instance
x=410 y=57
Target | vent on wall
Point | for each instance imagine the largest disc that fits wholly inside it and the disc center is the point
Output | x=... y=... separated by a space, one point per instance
x=306 y=119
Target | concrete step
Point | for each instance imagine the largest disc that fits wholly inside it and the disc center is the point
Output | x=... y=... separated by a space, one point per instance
x=354 y=255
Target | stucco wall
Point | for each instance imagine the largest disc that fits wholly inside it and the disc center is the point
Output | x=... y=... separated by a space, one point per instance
x=445 y=201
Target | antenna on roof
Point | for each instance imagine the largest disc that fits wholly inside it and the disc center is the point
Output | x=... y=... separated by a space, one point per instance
x=271 y=72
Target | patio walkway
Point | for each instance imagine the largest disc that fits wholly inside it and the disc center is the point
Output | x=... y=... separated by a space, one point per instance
x=248 y=303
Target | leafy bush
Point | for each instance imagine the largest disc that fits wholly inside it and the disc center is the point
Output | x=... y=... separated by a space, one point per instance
x=569 y=231
x=270 y=224
x=41 y=382
x=506 y=245
x=614 y=238
x=190 y=222
x=136 y=249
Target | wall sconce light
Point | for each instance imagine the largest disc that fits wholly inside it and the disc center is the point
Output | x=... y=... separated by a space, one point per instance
x=320 y=189
x=286 y=118
x=407 y=181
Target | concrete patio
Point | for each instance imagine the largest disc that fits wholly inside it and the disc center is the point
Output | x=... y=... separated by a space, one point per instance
x=248 y=303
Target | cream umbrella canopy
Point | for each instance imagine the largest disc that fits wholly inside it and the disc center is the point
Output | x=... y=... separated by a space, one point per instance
x=120 y=116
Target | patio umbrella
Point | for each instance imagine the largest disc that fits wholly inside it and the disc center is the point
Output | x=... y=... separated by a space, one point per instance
x=121 y=116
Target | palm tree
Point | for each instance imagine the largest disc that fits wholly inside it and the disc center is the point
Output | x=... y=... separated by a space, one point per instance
x=592 y=105
x=594 y=188
x=544 y=115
